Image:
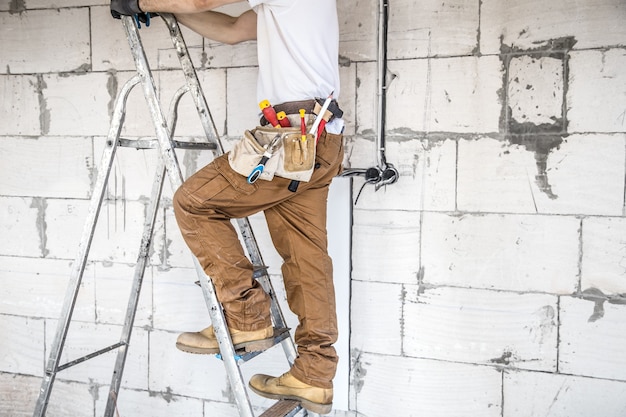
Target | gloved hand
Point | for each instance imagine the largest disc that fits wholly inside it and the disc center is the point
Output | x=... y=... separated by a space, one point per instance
x=121 y=8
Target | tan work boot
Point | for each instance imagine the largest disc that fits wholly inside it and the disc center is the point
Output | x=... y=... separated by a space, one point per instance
x=205 y=341
x=287 y=387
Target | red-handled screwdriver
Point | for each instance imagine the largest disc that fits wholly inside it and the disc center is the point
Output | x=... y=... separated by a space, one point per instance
x=269 y=113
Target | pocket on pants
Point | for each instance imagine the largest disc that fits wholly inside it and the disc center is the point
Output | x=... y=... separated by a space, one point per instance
x=217 y=183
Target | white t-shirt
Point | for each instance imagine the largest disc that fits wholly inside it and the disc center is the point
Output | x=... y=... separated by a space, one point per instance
x=298 y=49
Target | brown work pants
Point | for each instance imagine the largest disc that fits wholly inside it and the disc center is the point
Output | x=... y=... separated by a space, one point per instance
x=207 y=201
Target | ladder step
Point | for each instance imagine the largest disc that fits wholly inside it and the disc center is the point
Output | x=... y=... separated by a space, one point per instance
x=243 y=356
x=154 y=144
x=283 y=408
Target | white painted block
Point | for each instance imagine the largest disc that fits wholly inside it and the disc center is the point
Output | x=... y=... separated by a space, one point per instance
x=426 y=180
x=525 y=24
x=603 y=254
x=591 y=338
x=22 y=346
x=75 y=104
x=171 y=370
x=111 y=50
x=386 y=246
x=213 y=83
x=505 y=252
x=357 y=38
x=73 y=399
x=55 y=40
x=401 y=386
x=432 y=28
x=19 y=394
x=133 y=403
x=46 y=167
x=537 y=394
x=113 y=284
x=178 y=302
x=372 y=331
x=496 y=177
x=444 y=95
x=484 y=327
x=85 y=338
x=597 y=90
x=20 y=108
x=535 y=90
x=117 y=236
x=22 y=226
x=36 y=287
x=242 y=107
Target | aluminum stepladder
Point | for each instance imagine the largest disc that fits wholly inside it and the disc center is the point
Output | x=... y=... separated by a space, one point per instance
x=167 y=166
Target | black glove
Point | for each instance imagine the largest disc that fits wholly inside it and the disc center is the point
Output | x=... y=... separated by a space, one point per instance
x=121 y=8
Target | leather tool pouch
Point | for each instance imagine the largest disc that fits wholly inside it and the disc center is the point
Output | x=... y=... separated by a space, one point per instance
x=292 y=158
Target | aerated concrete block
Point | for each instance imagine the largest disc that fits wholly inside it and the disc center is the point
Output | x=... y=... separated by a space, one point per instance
x=401 y=386
x=43 y=41
x=46 y=167
x=387 y=245
x=527 y=253
x=23 y=226
x=36 y=287
x=372 y=331
x=483 y=327
x=591 y=337
x=19 y=394
x=75 y=104
x=494 y=177
x=525 y=24
x=22 y=347
x=113 y=283
x=426 y=175
x=537 y=394
x=161 y=404
x=597 y=87
x=85 y=338
x=20 y=107
x=432 y=28
x=603 y=254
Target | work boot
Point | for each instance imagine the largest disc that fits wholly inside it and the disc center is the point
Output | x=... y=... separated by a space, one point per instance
x=205 y=341
x=287 y=387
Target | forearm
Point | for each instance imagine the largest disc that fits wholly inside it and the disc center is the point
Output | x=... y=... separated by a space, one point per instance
x=178 y=6
x=221 y=27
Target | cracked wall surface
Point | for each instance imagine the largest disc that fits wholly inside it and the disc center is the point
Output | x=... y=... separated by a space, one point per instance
x=489 y=281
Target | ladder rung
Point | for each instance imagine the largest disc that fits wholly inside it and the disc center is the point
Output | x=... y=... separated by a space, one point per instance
x=91 y=355
x=154 y=144
x=241 y=355
x=283 y=408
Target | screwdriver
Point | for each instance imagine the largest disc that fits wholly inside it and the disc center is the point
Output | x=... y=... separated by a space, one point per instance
x=269 y=113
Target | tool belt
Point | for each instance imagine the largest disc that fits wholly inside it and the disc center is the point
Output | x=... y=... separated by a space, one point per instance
x=293 y=107
x=274 y=151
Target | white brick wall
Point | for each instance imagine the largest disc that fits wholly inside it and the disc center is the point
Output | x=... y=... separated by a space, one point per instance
x=489 y=281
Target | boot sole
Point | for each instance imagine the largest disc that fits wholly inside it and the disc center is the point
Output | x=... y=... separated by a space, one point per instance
x=244 y=347
x=309 y=405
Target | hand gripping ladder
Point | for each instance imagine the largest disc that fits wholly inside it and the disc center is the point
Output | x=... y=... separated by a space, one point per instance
x=168 y=165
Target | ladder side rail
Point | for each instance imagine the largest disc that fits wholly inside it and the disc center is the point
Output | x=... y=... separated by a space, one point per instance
x=140 y=269
x=173 y=169
x=144 y=248
x=288 y=344
x=191 y=76
x=78 y=267
x=209 y=127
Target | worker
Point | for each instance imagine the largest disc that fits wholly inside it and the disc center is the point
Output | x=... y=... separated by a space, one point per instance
x=297 y=47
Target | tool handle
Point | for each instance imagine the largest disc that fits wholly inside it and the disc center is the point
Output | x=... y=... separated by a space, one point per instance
x=269 y=113
x=258 y=170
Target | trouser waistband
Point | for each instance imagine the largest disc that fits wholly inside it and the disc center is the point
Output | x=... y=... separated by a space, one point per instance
x=293 y=107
